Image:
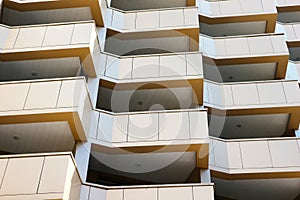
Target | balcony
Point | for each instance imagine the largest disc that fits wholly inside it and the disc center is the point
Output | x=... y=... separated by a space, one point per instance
x=29 y=12
x=261 y=168
x=127 y=77
x=239 y=17
x=267 y=158
x=151 y=42
x=239 y=107
x=62 y=114
x=39 y=176
x=155 y=131
x=288 y=11
x=244 y=58
x=155 y=192
x=141 y=16
x=52 y=41
x=292 y=36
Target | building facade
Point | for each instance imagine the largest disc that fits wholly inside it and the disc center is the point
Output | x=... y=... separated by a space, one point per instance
x=154 y=100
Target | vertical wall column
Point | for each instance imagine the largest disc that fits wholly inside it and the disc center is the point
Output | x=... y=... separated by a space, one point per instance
x=82 y=156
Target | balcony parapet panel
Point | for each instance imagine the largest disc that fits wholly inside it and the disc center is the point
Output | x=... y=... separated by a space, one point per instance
x=251 y=95
x=39 y=176
x=36 y=11
x=52 y=41
x=245 y=50
x=53 y=100
x=255 y=158
x=238 y=17
x=161 y=131
x=153 y=192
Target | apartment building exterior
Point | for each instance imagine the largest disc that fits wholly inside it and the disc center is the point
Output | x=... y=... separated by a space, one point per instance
x=155 y=100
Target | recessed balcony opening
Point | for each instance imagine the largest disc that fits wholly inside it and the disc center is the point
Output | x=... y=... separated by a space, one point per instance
x=142 y=168
x=289 y=17
x=240 y=72
x=154 y=4
x=17 y=18
x=151 y=42
x=36 y=137
x=249 y=126
x=230 y=29
x=144 y=98
x=294 y=53
x=40 y=69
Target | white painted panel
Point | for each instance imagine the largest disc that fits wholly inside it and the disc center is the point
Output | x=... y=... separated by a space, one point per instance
x=279 y=44
x=269 y=6
x=54 y=174
x=30 y=37
x=119 y=68
x=113 y=195
x=198 y=125
x=245 y=94
x=82 y=33
x=4 y=33
x=253 y=6
x=58 y=35
x=234 y=155
x=112 y=128
x=12 y=37
x=211 y=159
x=3 y=164
x=284 y=153
x=70 y=93
x=13 y=96
x=84 y=192
x=43 y=95
x=194 y=64
x=205 y=193
x=22 y=176
x=260 y=45
x=191 y=17
x=124 y=21
x=136 y=194
x=220 y=95
x=97 y=193
x=171 y=18
x=174 y=126
x=178 y=193
x=145 y=67
x=292 y=92
x=172 y=65
x=255 y=154
x=237 y=46
x=271 y=93
x=230 y=7
x=143 y=127
x=146 y=20
x=221 y=156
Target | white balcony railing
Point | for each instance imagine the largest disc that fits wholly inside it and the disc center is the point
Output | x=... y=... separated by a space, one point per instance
x=213 y=8
x=152 y=67
x=291 y=31
x=39 y=176
x=260 y=94
x=153 y=128
x=155 y=192
x=243 y=46
x=52 y=41
x=47 y=101
x=287 y=3
x=244 y=156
